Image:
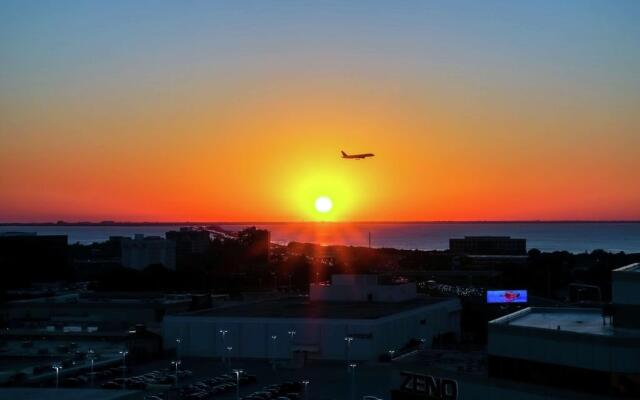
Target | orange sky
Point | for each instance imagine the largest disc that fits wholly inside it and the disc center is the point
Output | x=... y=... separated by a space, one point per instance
x=244 y=142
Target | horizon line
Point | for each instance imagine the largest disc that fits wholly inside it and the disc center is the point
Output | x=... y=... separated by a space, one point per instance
x=139 y=223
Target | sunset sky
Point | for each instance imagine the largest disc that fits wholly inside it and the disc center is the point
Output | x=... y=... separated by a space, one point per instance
x=238 y=110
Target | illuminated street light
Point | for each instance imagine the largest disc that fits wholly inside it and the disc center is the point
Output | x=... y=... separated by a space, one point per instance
x=124 y=353
x=229 y=348
x=237 y=372
x=178 y=342
x=273 y=356
x=91 y=355
x=348 y=340
x=305 y=383
x=291 y=333
x=352 y=368
x=223 y=332
x=57 y=367
x=176 y=363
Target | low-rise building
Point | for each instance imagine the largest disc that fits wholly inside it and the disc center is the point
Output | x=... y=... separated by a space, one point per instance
x=323 y=326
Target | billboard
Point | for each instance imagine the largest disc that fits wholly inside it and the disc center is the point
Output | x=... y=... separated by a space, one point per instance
x=506 y=296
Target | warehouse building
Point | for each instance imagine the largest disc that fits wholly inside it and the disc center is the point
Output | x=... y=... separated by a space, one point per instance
x=360 y=320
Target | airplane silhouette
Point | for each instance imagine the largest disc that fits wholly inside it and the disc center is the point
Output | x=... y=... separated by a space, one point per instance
x=356 y=156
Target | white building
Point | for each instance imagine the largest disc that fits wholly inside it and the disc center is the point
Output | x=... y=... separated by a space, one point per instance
x=590 y=350
x=314 y=327
x=141 y=251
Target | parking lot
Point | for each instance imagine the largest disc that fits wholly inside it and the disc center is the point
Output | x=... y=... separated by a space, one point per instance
x=200 y=378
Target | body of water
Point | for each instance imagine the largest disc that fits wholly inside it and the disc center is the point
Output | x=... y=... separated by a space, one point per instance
x=573 y=237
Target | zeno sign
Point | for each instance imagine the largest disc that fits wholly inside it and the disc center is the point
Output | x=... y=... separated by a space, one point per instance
x=428 y=387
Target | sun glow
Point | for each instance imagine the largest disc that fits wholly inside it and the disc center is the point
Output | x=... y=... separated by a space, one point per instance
x=323 y=204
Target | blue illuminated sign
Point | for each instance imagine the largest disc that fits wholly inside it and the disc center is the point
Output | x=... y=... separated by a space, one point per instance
x=506 y=296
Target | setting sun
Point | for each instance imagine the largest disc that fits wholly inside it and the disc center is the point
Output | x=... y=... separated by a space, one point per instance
x=324 y=204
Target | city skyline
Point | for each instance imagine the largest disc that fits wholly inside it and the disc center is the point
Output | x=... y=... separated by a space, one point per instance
x=196 y=111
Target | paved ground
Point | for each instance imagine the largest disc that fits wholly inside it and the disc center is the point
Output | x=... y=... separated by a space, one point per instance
x=327 y=380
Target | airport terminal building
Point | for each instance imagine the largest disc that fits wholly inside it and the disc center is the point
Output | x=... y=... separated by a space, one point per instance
x=351 y=318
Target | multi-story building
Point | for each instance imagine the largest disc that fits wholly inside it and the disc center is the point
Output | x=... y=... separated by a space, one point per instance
x=141 y=251
x=191 y=245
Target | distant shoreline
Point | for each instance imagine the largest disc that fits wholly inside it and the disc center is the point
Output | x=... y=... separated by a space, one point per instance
x=179 y=223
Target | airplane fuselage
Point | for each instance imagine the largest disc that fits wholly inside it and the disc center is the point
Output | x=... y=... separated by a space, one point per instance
x=356 y=156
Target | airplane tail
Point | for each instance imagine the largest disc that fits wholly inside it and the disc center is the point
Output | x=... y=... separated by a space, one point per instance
x=343 y=153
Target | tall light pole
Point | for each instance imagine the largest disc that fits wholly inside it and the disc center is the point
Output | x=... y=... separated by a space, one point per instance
x=223 y=332
x=229 y=348
x=124 y=368
x=273 y=356
x=57 y=367
x=305 y=383
x=176 y=363
x=178 y=342
x=291 y=334
x=391 y=353
x=348 y=340
x=92 y=355
x=352 y=368
x=237 y=372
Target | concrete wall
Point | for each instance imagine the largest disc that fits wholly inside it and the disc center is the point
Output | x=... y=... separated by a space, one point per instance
x=625 y=285
x=580 y=350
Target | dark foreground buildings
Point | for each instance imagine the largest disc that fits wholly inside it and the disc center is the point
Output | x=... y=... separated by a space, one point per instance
x=25 y=257
x=551 y=353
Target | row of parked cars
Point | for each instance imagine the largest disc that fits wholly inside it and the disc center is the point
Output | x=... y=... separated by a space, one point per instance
x=84 y=378
x=141 y=382
x=279 y=391
x=210 y=387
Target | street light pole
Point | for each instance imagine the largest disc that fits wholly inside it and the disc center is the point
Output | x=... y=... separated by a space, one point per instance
x=352 y=366
x=291 y=333
x=273 y=356
x=92 y=355
x=238 y=372
x=176 y=363
x=178 y=342
x=348 y=340
x=124 y=368
x=229 y=348
x=223 y=332
x=305 y=383
x=391 y=353
x=57 y=367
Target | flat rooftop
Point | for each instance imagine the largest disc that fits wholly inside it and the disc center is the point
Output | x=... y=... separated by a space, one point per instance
x=296 y=307
x=629 y=268
x=577 y=320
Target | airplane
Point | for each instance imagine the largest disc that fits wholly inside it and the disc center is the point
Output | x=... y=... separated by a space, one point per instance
x=356 y=156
